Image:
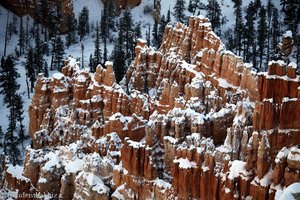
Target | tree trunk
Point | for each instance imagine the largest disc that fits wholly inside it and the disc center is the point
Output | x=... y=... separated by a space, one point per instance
x=28 y=90
x=5 y=43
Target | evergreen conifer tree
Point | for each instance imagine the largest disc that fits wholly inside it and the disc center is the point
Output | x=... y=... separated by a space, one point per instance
x=97 y=53
x=91 y=63
x=8 y=80
x=1 y=137
x=30 y=69
x=71 y=24
x=83 y=23
x=19 y=111
x=275 y=28
x=58 y=52
x=126 y=24
x=104 y=23
x=111 y=10
x=292 y=16
x=11 y=141
x=192 y=6
x=21 y=41
x=38 y=51
x=148 y=35
x=45 y=69
x=105 y=56
x=137 y=31
x=249 y=32
x=238 y=28
x=162 y=26
x=155 y=34
x=179 y=9
x=214 y=14
x=262 y=35
x=168 y=16
x=119 y=58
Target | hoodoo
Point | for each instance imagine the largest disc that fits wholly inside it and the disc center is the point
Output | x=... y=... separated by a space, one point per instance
x=190 y=120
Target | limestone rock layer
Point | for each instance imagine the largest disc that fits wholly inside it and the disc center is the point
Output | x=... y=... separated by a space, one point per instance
x=188 y=121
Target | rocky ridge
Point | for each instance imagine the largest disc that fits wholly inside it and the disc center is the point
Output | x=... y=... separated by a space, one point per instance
x=190 y=112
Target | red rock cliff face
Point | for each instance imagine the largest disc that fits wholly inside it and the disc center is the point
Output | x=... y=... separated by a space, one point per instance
x=27 y=7
x=192 y=113
x=66 y=7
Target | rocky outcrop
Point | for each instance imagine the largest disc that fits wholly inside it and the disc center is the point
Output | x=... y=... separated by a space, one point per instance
x=190 y=112
x=22 y=8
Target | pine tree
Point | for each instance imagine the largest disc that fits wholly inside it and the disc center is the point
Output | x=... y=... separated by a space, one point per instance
x=119 y=64
x=148 y=35
x=270 y=7
x=156 y=12
x=105 y=57
x=104 y=23
x=9 y=87
x=6 y=33
x=97 y=53
x=21 y=41
x=83 y=23
x=82 y=55
x=1 y=137
x=45 y=69
x=58 y=52
x=192 y=6
x=91 y=63
x=214 y=14
x=8 y=80
x=155 y=34
x=38 y=52
x=137 y=31
x=262 y=35
x=19 y=111
x=161 y=30
x=11 y=142
x=111 y=10
x=126 y=24
x=238 y=28
x=53 y=22
x=30 y=69
x=179 y=9
x=249 y=32
x=275 y=28
x=71 y=24
x=168 y=16
x=292 y=16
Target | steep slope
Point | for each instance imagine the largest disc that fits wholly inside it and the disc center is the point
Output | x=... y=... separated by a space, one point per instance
x=190 y=112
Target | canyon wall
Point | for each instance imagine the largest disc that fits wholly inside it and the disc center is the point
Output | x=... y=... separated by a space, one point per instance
x=188 y=121
x=65 y=7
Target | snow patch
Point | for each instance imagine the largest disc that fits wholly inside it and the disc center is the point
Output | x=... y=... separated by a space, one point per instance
x=184 y=163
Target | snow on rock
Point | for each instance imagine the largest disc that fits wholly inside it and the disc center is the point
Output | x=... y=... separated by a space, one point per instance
x=237 y=167
x=184 y=163
x=53 y=160
x=16 y=171
x=224 y=84
x=58 y=76
x=294 y=154
x=291 y=192
x=74 y=165
x=283 y=153
x=162 y=184
x=81 y=78
x=288 y=33
x=293 y=65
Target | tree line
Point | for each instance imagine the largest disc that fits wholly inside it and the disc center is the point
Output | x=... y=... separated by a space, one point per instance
x=255 y=35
